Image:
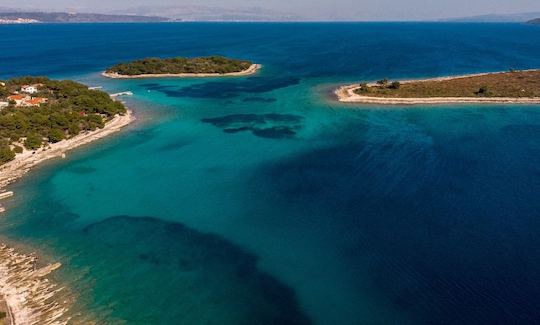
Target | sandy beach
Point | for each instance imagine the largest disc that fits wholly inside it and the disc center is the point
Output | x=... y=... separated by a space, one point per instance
x=23 y=162
x=346 y=94
x=249 y=71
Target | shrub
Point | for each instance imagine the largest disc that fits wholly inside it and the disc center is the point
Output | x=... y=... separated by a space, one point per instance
x=6 y=154
x=395 y=85
x=363 y=87
x=33 y=141
x=17 y=149
x=483 y=91
x=56 y=135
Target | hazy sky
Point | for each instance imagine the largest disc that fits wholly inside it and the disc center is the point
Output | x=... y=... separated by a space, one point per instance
x=338 y=9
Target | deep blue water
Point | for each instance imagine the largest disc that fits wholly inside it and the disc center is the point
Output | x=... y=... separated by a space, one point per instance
x=259 y=200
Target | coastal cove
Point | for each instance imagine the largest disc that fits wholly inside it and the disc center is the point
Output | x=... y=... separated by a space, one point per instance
x=256 y=200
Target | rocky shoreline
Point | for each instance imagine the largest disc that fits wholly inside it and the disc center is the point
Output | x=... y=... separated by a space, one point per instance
x=28 y=295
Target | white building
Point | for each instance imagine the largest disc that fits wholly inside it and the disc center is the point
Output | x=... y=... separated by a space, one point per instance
x=29 y=89
x=4 y=105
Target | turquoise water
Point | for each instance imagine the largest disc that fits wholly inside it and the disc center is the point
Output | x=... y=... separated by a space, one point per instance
x=260 y=201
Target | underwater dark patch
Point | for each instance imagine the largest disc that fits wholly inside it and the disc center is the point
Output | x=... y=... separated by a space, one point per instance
x=274 y=126
x=202 y=275
x=225 y=89
x=174 y=145
x=236 y=130
x=276 y=132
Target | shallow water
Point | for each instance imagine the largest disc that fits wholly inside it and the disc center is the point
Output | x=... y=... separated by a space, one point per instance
x=258 y=200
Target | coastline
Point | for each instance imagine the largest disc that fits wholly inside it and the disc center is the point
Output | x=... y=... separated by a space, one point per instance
x=346 y=94
x=249 y=71
x=26 y=295
x=29 y=297
x=23 y=162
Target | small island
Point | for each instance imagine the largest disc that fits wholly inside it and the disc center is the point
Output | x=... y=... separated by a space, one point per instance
x=500 y=87
x=212 y=66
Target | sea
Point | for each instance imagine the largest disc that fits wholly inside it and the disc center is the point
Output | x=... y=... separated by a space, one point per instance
x=262 y=200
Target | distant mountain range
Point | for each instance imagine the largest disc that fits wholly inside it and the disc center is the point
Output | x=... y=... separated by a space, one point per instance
x=497 y=18
x=147 y=14
x=207 y=13
x=64 y=17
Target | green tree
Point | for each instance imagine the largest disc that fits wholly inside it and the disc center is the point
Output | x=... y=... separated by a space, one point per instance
x=383 y=82
x=56 y=135
x=395 y=85
x=6 y=154
x=17 y=149
x=364 y=87
x=74 y=129
x=33 y=141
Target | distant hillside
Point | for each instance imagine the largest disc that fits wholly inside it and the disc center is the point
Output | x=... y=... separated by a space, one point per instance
x=211 y=13
x=64 y=17
x=494 y=18
x=534 y=21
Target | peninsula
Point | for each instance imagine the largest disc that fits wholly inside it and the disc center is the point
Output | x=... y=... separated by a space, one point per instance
x=520 y=87
x=42 y=118
x=212 y=66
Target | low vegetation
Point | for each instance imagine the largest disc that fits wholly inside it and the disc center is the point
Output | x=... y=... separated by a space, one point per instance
x=514 y=84
x=212 y=64
x=70 y=109
x=3 y=318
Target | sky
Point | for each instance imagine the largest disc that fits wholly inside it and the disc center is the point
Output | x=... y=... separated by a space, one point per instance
x=323 y=9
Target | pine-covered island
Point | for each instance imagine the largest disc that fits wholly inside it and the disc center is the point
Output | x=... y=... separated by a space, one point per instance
x=181 y=67
x=514 y=86
x=42 y=118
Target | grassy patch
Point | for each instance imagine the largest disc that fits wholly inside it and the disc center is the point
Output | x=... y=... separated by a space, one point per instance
x=514 y=84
